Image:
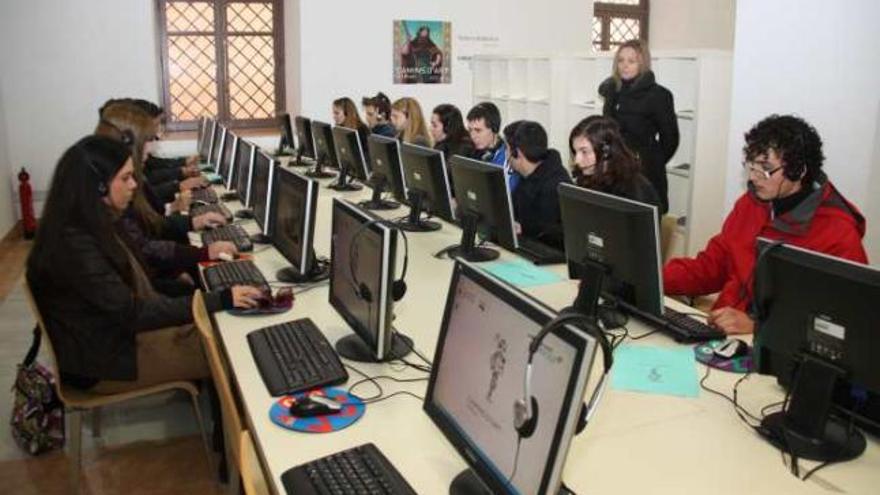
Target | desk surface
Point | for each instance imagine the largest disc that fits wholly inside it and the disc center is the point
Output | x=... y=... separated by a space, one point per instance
x=675 y=445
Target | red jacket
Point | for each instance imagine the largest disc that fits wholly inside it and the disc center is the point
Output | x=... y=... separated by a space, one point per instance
x=825 y=222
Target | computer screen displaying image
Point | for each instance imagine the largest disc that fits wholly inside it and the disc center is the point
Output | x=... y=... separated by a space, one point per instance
x=293 y=226
x=478 y=373
x=427 y=184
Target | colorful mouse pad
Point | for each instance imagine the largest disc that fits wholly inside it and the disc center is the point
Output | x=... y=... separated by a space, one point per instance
x=705 y=354
x=352 y=410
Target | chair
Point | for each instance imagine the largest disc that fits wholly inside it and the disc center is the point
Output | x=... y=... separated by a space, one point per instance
x=252 y=476
x=77 y=401
x=232 y=424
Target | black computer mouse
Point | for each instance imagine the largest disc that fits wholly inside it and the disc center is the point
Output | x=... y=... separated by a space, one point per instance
x=731 y=348
x=314 y=405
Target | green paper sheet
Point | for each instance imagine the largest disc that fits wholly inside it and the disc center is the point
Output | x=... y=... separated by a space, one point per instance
x=521 y=273
x=655 y=370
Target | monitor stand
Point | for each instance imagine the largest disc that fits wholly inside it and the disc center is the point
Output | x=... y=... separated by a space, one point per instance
x=298 y=162
x=354 y=348
x=376 y=202
x=414 y=222
x=245 y=214
x=468 y=483
x=805 y=429
x=467 y=249
x=342 y=181
x=260 y=239
x=229 y=196
x=290 y=275
x=589 y=291
x=318 y=172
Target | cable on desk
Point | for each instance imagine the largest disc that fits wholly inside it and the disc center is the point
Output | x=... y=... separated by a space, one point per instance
x=412 y=346
x=401 y=392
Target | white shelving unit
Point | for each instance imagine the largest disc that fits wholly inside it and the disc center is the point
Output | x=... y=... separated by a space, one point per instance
x=559 y=91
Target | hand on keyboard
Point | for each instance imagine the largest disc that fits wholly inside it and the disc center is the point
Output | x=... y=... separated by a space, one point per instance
x=246 y=297
x=215 y=249
x=200 y=222
x=731 y=321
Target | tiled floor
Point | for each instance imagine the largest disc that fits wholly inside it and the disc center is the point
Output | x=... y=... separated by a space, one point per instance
x=147 y=447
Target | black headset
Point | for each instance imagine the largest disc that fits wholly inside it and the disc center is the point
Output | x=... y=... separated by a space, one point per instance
x=398 y=287
x=797 y=172
x=525 y=409
x=492 y=117
x=125 y=135
x=103 y=190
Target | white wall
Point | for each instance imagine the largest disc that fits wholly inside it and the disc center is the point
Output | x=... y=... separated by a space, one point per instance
x=346 y=46
x=817 y=59
x=60 y=60
x=678 y=24
x=7 y=210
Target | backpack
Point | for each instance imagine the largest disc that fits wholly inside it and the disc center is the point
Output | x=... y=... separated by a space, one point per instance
x=37 y=413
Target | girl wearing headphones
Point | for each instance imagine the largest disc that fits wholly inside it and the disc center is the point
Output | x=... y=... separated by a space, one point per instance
x=345 y=114
x=601 y=161
x=110 y=329
x=407 y=119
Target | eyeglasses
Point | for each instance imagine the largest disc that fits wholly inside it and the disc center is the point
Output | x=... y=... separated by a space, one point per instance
x=760 y=169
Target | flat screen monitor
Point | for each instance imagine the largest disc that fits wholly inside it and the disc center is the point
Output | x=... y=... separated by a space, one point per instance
x=210 y=137
x=286 y=142
x=386 y=174
x=817 y=322
x=612 y=246
x=305 y=145
x=424 y=171
x=242 y=173
x=202 y=138
x=217 y=146
x=293 y=225
x=363 y=260
x=261 y=189
x=351 y=159
x=484 y=208
x=230 y=141
x=478 y=372
x=325 y=150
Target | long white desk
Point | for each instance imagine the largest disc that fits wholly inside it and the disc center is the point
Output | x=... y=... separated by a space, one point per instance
x=636 y=443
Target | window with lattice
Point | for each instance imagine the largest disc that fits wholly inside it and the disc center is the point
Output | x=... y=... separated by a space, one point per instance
x=222 y=58
x=616 y=21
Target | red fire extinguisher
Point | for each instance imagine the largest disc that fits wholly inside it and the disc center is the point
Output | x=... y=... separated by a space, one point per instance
x=26 y=196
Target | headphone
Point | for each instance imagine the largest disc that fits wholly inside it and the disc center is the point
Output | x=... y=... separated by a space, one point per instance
x=103 y=190
x=398 y=287
x=797 y=172
x=125 y=135
x=525 y=409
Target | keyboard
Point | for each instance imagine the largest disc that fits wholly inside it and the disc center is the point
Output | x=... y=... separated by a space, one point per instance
x=232 y=233
x=206 y=195
x=197 y=210
x=358 y=470
x=685 y=328
x=294 y=357
x=224 y=275
x=539 y=253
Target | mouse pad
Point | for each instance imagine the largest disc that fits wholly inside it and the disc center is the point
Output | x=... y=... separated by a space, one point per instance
x=352 y=410
x=705 y=354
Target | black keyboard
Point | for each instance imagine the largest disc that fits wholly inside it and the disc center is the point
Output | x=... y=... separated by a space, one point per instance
x=218 y=208
x=358 y=470
x=539 y=253
x=224 y=275
x=295 y=356
x=206 y=195
x=232 y=233
x=685 y=328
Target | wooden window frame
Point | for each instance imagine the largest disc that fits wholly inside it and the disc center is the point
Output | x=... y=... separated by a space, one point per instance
x=606 y=11
x=220 y=39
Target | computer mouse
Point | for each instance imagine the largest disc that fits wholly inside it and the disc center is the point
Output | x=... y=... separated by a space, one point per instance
x=314 y=405
x=731 y=348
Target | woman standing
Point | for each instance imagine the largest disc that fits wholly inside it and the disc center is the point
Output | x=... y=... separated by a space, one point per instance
x=645 y=112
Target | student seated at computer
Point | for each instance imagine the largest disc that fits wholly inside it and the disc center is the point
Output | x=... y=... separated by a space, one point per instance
x=449 y=132
x=409 y=122
x=536 y=199
x=377 y=111
x=789 y=199
x=345 y=114
x=601 y=161
x=484 y=124
x=110 y=330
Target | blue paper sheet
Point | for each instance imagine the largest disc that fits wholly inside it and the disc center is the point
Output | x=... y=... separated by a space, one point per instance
x=655 y=370
x=521 y=273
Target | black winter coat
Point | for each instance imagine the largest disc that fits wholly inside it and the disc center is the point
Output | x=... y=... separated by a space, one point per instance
x=646 y=114
x=536 y=201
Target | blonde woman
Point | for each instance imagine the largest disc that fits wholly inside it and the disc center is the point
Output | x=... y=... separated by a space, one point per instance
x=407 y=119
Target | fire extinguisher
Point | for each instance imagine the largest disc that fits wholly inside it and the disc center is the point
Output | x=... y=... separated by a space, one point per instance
x=26 y=196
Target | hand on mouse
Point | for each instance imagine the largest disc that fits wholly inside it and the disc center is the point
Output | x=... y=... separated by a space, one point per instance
x=200 y=222
x=731 y=321
x=215 y=249
x=245 y=296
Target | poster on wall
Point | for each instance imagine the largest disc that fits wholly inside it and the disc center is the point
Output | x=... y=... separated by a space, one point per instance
x=422 y=52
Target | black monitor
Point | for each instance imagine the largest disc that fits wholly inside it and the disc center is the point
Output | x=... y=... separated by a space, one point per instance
x=216 y=146
x=427 y=184
x=477 y=375
x=206 y=148
x=227 y=153
x=351 y=159
x=612 y=246
x=817 y=322
x=362 y=284
x=293 y=226
x=325 y=151
x=202 y=142
x=306 y=146
x=240 y=166
x=261 y=191
x=384 y=154
x=484 y=207
x=286 y=143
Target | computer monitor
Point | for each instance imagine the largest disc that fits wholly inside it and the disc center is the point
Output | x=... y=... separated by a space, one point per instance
x=245 y=154
x=261 y=191
x=484 y=207
x=206 y=148
x=286 y=143
x=242 y=156
x=363 y=263
x=817 y=322
x=477 y=375
x=293 y=226
x=217 y=146
x=325 y=151
x=351 y=159
x=306 y=146
x=612 y=245
x=427 y=184
x=386 y=174
x=202 y=132
x=230 y=141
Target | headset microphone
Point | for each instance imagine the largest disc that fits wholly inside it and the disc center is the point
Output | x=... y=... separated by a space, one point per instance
x=398 y=287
